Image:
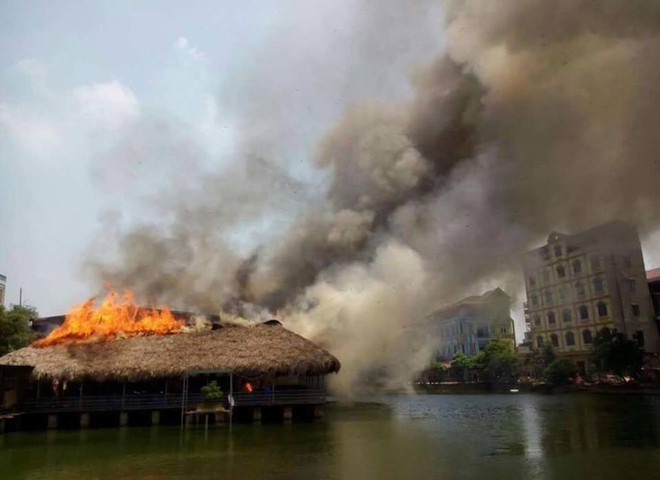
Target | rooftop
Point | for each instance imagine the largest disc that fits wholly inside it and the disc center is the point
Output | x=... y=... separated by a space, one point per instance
x=653 y=275
x=252 y=350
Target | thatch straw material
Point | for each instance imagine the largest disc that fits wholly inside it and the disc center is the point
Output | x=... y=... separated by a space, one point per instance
x=255 y=350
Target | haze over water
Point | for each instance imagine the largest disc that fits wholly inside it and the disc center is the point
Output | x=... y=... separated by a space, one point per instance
x=402 y=437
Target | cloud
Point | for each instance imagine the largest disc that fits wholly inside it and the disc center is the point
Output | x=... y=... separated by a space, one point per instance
x=183 y=45
x=108 y=105
x=31 y=133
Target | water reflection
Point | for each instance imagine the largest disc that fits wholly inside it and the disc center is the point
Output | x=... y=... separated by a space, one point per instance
x=403 y=437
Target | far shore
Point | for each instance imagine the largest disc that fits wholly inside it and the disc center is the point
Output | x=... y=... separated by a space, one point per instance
x=542 y=388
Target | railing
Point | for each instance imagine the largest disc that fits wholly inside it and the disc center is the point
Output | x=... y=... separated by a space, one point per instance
x=160 y=401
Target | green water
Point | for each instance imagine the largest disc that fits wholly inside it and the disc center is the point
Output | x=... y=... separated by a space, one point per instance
x=402 y=437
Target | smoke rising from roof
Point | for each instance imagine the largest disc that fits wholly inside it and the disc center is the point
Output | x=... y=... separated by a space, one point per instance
x=537 y=116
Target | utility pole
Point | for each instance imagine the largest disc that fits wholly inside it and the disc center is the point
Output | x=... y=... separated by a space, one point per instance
x=20 y=297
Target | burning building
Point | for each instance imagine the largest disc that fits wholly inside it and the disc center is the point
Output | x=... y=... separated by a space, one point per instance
x=117 y=363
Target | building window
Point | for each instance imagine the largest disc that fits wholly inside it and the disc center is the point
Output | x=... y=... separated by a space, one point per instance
x=562 y=294
x=584 y=312
x=586 y=337
x=579 y=288
x=599 y=285
x=548 y=297
x=602 y=309
x=537 y=322
x=561 y=272
x=632 y=285
x=577 y=266
x=534 y=299
x=570 y=339
x=546 y=276
x=554 y=339
x=635 y=310
x=566 y=316
x=595 y=264
x=532 y=281
x=539 y=342
x=558 y=251
x=551 y=318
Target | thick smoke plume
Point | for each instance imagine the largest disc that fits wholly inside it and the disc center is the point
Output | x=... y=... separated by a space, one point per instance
x=538 y=115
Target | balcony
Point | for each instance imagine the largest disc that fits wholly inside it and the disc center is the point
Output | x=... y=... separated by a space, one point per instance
x=119 y=403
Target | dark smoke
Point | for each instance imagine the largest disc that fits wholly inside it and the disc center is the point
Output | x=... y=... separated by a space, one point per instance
x=538 y=116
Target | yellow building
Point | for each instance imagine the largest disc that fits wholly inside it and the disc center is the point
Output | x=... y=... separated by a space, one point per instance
x=3 y=283
x=578 y=284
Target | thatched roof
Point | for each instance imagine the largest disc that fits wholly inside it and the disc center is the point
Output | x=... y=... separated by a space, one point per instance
x=253 y=350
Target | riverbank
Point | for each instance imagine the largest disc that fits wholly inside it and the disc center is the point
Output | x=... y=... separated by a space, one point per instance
x=456 y=388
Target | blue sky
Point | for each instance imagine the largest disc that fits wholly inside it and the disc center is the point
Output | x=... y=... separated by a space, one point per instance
x=98 y=100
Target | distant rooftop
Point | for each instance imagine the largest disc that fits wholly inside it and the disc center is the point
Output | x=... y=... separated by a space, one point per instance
x=482 y=299
x=653 y=275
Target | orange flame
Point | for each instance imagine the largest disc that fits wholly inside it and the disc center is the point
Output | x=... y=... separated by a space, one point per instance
x=112 y=319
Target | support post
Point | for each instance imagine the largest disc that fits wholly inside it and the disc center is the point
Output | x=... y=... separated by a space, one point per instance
x=184 y=391
x=319 y=412
x=231 y=401
x=84 y=420
x=155 y=417
x=256 y=414
x=123 y=419
x=287 y=414
x=52 y=422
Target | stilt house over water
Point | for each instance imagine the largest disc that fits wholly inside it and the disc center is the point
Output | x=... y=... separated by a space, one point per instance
x=263 y=372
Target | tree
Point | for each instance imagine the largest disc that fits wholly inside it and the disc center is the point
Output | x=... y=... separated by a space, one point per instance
x=463 y=363
x=498 y=360
x=559 y=371
x=15 y=331
x=436 y=371
x=549 y=355
x=614 y=353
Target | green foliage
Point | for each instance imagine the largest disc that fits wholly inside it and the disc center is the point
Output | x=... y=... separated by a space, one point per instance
x=559 y=371
x=211 y=392
x=438 y=367
x=463 y=364
x=614 y=353
x=498 y=360
x=15 y=331
x=548 y=355
x=462 y=361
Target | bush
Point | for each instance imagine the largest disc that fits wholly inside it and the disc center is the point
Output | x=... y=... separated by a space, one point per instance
x=211 y=393
x=559 y=371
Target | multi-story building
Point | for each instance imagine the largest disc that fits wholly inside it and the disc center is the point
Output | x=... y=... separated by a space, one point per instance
x=653 y=279
x=3 y=284
x=578 y=284
x=470 y=324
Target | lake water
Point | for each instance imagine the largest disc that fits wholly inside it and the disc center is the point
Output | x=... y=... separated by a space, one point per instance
x=397 y=437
